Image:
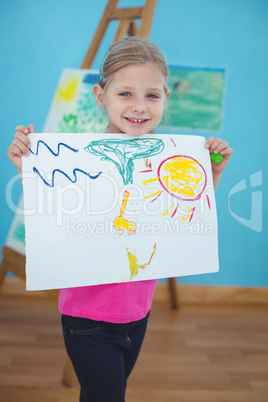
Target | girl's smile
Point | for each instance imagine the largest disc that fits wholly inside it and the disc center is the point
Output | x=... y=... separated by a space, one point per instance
x=136 y=121
x=134 y=98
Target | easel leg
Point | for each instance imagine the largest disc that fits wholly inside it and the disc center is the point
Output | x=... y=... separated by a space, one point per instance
x=172 y=284
x=69 y=376
x=3 y=273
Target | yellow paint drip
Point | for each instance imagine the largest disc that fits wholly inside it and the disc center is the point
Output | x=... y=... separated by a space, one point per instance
x=121 y=223
x=184 y=219
x=150 y=180
x=165 y=213
x=151 y=195
x=133 y=262
x=67 y=90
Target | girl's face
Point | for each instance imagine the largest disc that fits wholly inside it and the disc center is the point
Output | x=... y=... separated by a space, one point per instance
x=134 y=98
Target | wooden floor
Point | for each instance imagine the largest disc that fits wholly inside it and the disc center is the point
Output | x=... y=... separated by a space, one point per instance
x=199 y=354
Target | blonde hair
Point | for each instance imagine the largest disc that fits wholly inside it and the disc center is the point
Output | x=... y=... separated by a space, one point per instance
x=133 y=50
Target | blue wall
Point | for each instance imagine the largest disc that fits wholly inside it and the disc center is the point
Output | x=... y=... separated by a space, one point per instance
x=39 y=39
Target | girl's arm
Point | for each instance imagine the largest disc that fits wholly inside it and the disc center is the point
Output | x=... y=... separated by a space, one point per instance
x=20 y=146
x=217 y=146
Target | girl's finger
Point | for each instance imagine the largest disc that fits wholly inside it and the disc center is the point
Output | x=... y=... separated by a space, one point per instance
x=227 y=152
x=13 y=150
x=214 y=145
x=23 y=138
x=31 y=128
x=209 y=142
x=223 y=145
x=23 y=129
x=21 y=146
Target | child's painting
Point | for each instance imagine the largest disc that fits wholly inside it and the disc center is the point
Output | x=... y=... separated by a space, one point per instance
x=110 y=208
x=74 y=108
x=196 y=101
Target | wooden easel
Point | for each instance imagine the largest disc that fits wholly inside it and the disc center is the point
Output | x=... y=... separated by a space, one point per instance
x=126 y=25
x=13 y=261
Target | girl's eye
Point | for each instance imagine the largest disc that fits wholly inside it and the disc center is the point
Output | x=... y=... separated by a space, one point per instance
x=153 y=96
x=124 y=94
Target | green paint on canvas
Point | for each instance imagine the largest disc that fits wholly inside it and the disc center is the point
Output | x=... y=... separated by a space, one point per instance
x=19 y=232
x=87 y=117
x=196 y=99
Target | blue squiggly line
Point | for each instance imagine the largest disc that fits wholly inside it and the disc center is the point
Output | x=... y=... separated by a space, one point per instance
x=65 y=174
x=55 y=154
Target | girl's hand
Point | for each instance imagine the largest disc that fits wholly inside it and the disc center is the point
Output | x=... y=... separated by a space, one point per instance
x=217 y=146
x=20 y=145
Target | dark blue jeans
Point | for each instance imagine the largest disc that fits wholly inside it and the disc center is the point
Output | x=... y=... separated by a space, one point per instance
x=103 y=355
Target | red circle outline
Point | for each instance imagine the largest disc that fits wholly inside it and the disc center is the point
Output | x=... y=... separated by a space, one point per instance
x=180 y=198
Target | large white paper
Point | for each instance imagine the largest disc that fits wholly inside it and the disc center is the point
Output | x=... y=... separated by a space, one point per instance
x=107 y=208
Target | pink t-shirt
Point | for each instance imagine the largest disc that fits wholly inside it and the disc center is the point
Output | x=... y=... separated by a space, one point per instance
x=117 y=302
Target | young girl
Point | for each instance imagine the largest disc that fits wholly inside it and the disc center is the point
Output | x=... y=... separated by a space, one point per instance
x=104 y=325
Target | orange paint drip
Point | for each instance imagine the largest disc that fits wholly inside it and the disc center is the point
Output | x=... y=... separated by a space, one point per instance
x=147 y=163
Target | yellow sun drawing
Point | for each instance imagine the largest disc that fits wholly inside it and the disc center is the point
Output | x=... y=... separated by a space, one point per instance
x=183 y=177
